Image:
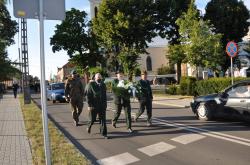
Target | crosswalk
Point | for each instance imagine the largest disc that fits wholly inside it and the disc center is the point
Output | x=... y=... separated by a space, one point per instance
x=193 y=135
x=150 y=150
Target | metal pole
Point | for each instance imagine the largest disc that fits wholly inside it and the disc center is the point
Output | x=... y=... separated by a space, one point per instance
x=232 y=75
x=43 y=87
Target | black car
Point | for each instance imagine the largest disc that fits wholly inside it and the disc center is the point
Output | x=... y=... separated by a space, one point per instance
x=234 y=101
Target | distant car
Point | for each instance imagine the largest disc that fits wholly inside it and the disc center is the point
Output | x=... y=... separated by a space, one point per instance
x=234 y=101
x=55 y=92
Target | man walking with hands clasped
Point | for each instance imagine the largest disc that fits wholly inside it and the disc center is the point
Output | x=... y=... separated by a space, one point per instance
x=97 y=103
x=145 y=98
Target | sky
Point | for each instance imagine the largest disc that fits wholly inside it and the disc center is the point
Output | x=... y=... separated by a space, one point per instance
x=58 y=59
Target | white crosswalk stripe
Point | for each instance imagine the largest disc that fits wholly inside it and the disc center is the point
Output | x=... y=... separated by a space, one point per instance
x=156 y=149
x=188 y=138
x=121 y=159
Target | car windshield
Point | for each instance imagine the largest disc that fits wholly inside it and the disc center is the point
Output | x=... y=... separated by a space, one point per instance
x=57 y=86
x=241 y=90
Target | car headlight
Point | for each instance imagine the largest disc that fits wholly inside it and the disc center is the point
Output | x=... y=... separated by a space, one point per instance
x=217 y=100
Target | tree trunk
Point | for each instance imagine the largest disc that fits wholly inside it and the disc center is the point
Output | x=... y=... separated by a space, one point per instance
x=178 y=72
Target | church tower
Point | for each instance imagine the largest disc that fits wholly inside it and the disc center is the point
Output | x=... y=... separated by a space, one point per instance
x=94 y=7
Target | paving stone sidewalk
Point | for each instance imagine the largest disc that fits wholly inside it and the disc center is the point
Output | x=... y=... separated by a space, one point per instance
x=14 y=144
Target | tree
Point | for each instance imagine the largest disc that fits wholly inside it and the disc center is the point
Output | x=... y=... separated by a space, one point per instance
x=8 y=28
x=201 y=46
x=167 y=12
x=229 y=18
x=124 y=28
x=74 y=36
x=176 y=55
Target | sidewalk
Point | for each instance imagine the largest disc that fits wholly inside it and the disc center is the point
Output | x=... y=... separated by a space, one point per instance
x=14 y=144
x=176 y=101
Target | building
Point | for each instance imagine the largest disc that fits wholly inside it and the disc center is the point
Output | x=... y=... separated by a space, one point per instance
x=64 y=71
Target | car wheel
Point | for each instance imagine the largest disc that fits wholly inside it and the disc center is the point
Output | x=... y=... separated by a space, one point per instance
x=203 y=112
x=54 y=101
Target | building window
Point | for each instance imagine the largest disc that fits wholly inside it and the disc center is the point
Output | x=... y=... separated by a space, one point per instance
x=149 y=63
x=96 y=11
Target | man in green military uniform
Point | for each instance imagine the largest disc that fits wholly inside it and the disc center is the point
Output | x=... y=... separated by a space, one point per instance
x=97 y=103
x=145 y=97
x=74 y=92
x=121 y=99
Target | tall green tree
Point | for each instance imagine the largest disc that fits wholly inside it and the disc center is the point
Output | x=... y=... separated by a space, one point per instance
x=126 y=27
x=201 y=46
x=74 y=36
x=229 y=18
x=8 y=29
x=176 y=55
x=166 y=13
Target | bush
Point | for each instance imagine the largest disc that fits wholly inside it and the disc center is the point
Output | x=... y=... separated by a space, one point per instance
x=172 y=90
x=165 y=70
x=187 y=86
x=94 y=70
x=214 y=85
x=109 y=86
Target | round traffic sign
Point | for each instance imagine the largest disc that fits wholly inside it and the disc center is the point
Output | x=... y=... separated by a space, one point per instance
x=231 y=49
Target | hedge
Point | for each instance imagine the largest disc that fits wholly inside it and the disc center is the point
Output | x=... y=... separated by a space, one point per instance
x=193 y=87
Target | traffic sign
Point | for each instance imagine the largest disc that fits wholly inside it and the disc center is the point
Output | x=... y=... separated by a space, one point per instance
x=232 y=49
x=52 y=10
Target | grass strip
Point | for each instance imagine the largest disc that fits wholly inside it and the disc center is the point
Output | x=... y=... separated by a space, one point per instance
x=63 y=152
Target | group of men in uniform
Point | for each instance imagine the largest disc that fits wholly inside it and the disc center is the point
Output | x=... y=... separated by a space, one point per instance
x=95 y=92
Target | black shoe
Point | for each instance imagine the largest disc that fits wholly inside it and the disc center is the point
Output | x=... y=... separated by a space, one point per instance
x=89 y=130
x=106 y=137
x=130 y=130
x=113 y=124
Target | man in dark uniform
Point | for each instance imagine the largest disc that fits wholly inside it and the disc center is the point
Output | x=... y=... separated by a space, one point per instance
x=74 y=92
x=97 y=103
x=145 y=97
x=121 y=99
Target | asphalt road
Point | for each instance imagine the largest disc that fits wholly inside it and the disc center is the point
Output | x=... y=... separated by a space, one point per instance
x=175 y=138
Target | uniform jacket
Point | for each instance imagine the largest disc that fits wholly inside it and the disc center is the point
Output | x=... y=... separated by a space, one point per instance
x=74 y=89
x=96 y=95
x=145 y=91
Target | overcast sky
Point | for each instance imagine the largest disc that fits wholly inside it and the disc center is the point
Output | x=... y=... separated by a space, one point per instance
x=54 y=60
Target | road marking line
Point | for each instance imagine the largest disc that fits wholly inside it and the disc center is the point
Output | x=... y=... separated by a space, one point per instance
x=156 y=149
x=121 y=159
x=169 y=104
x=188 y=138
x=222 y=136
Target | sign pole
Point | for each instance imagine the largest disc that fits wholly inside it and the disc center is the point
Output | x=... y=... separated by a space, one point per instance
x=43 y=86
x=232 y=75
x=232 y=50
